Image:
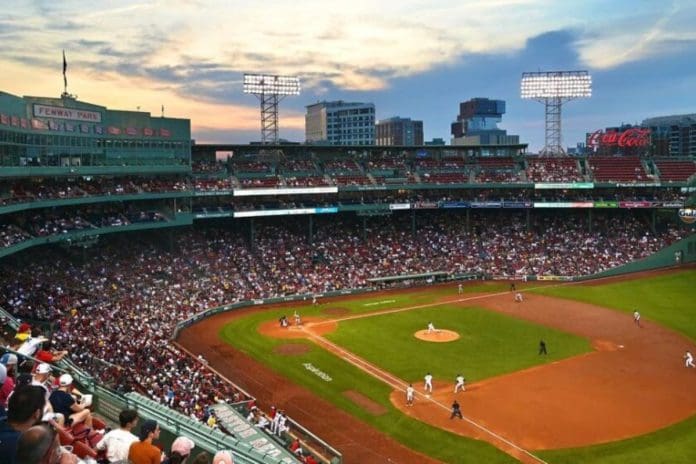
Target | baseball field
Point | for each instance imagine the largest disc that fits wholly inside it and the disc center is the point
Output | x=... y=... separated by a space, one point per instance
x=608 y=390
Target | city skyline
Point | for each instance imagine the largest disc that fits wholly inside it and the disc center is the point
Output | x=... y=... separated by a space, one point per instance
x=412 y=59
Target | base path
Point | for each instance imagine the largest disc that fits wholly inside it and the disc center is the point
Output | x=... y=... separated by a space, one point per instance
x=633 y=383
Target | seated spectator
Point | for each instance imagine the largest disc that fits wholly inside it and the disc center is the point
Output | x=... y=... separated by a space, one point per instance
x=143 y=451
x=3 y=379
x=64 y=403
x=24 y=409
x=181 y=450
x=40 y=444
x=117 y=442
x=9 y=361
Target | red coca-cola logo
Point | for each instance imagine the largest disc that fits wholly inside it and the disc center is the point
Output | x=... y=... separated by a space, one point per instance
x=629 y=138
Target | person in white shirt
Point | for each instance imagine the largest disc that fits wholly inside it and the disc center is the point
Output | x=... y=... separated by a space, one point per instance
x=117 y=442
x=636 y=317
x=410 y=392
x=688 y=359
x=459 y=384
x=428 y=383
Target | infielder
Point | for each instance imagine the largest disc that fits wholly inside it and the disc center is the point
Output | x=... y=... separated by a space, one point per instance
x=459 y=383
x=410 y=392
x=298 y=319
x=518 y=297
x=636 y=318
x=689 y=360
x=460 y=289
x=428 y=383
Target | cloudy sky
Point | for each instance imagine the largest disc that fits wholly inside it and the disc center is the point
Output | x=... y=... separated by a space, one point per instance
x=412 y=58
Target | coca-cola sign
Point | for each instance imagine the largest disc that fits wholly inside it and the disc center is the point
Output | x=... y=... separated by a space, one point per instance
x=635 y=137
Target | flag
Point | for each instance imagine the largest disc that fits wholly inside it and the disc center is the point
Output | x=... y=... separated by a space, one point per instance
x=65 y=68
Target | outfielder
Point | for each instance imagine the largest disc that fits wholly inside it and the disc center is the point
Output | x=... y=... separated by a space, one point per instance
x=459 y=383
x=460 y=289
x=428 y=383
x=636 y=318
x=688 y=359
x=410 y=392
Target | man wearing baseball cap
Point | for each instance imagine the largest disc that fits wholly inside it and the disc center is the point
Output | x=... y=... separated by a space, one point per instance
x=64 y=403
x=143 y=451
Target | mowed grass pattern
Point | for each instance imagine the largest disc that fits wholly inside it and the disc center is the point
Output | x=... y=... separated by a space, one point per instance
x=669 y=301
x=490 y=343
x=497 y=350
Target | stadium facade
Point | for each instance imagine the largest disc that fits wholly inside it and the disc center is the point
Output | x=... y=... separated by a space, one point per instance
x=44 y=131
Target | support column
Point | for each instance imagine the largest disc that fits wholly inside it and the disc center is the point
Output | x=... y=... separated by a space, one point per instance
x=589 y=220
x=364 y=229
x=528 y=220
x=413 y=223
x=252 y=234
x=468 y=222
x=310 y=230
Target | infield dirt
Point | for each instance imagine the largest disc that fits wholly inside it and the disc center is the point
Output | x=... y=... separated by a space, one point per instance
x=634 y=383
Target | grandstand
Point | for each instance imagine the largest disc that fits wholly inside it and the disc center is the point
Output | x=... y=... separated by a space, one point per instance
x=204 y=233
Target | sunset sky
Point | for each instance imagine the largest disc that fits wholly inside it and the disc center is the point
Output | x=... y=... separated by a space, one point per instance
x=411 y=58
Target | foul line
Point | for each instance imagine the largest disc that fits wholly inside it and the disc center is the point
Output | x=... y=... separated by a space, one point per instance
x=397 y=383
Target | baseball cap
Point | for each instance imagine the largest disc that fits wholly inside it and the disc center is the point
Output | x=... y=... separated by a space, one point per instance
x=223 y=457
x=65 y=380
x=8 y=359
x=43 y=369
x=183 y=446
x=147 y=427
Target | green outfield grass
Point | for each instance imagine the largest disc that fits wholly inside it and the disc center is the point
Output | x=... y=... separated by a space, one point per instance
x=669 y=301
x=491 y=344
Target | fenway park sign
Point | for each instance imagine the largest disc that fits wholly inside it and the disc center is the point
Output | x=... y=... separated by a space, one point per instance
x=636 y=137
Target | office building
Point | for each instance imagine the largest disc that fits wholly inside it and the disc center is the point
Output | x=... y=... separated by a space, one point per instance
x=477 y=124
x=340 y=123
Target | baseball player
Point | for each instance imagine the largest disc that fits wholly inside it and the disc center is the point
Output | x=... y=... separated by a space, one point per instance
x=459 y=383
x=314 y=300
x=410 y=392
x=428 y=383
x=542 y=347
x=460 y=289
x=689 y=360
x=518 y=297
x=456 y=411
x=636 y=318
x=298 y=319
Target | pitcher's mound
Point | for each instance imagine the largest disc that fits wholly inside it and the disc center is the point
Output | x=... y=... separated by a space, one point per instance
x=439 y=336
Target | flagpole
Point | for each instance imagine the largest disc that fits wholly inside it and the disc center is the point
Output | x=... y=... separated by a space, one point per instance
x=65 y=77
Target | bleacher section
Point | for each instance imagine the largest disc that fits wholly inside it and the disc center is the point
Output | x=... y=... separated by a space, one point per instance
x=617 y=169
x=675 y=170
x=557 y=169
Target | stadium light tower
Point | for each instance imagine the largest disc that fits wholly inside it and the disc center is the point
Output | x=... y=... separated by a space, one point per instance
x=554 y=88
x=270 y=90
